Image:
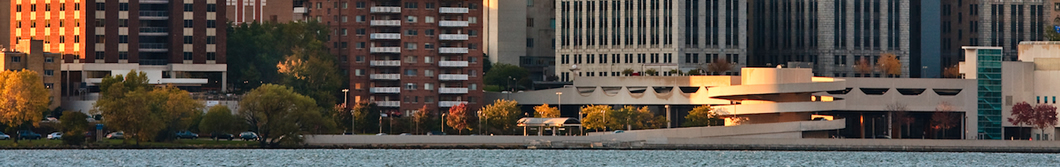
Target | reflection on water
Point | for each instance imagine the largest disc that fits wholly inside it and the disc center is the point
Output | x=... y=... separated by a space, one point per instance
x=358 y=157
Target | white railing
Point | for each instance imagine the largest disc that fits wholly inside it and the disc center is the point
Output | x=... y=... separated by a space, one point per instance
x=452 y=77
x=395 y=36
x=386 y=49
x=449 y=103
x=452 y=90
x=453 y=37
x=387 y=23
x=385 y=63
x=386 y=9
x=445 y=23
x=452 y=50
x=452 y=63
x=385 y=76
x=388 y=103
x=452 y=10
x=385 y=90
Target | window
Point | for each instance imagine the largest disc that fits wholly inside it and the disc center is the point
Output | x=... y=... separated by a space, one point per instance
x=473 y=87
x=211 y=40
x=410 y=5
x=360 y=45
x=49 y=59
x=429 y=73
x=49 y=86
x=188 y=23
x=410 y=19
x=211 y=56
x=188 y=7
x=361 y=31
x=529 y=22
x=410 y=72
x=211 y=23
x=123 y=39
x=187 y=56
x=427 y=60
x=472 y=73
x=471 y=46
x=345 y=5
x=123 y=55
x=359 y=59
x=410 y=45
x=410 y=86
x=360 y=5
x=428 y=46
x=472 y=33
x=100 y=55
x=99 y=6
x=18 y=8
x=358 y=72
x=123 y=22
x=187 y=40
x=529 y=3
x=428 y=32
x=472 y=6
x=410 y=32
x=428 y=19
x=77 y=6
x=472 y=20
x=428 y=86
x=344 y=33
x=345 y=19
x=319 y=5
x=359 y=19
x=100 y=22
x=48 y=7
x=16 y=59
x=123 y=6
x=530 y=43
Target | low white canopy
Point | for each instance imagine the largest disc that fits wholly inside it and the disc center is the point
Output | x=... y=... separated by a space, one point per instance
x=548 y=122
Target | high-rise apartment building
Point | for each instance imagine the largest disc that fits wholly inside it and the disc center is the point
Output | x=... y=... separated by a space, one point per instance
x=244 y=11
x=406 y=55
x=173 y=42
x=831 y=34
x=607 y=37
x=5 y=25
x=29 y=55
x=533 y=49
x=994 y=23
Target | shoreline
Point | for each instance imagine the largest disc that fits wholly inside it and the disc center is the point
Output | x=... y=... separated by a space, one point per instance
x=811 y=148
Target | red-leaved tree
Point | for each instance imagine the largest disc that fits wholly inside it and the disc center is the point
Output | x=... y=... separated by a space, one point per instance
x=1040 y=117
x=458 y=118
x=1021 y=114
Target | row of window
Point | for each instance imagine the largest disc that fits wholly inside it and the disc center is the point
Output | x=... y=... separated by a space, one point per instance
x=62 y=39
x=47 y=23
x=408 y=32
x=408 y=19
x=429 y=99
x=414 y=72
x=408 y=45
x=186 y=55
x=125 y=7
x=1038 y=99
x=16 y=59
x=47 y=7
x=408 y=5
x=617 y=58
x=124 y=23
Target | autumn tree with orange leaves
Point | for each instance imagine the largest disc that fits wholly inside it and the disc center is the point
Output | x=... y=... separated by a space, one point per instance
x=890 y=65
x=458 y=118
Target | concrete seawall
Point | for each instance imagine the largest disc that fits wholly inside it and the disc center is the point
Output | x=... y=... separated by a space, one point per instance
x=619 y=141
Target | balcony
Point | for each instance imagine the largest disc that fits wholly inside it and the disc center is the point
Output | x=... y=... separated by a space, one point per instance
x=154 y=31
x=153 y=47
x=452 y=77
x=385 y=90
x=449 y=103
x=452 y=50
x=452 y=90
x=452 y=63
x=385 y=49
x=388 y=36
x=388 y=103
x=386 y=9
x=446 y=23
x=453 y=37
x=457 y=10
x=154 y=15
x=389 y=23
x=385 y=76
x=385 y=63
x=154 y=1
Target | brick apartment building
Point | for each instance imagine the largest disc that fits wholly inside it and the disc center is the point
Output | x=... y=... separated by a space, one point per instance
x=404 y=55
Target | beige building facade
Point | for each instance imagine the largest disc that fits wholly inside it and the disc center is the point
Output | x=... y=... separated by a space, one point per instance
x=30 y=55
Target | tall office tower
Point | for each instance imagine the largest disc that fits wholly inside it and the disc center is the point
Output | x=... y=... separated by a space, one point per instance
x=245 y=11
x=410 y=54
x=607 y=37
x=994 y=23
x=534 y=49
x=831 y=34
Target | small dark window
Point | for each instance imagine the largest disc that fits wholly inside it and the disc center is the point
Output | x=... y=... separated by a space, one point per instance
x=187 y=40
x=188 y=24
x=211 y=7
x=211 y=56
x=210 y=40
x=100 y=55
x=123 y=55
x=123 y=39
x=101 y=6
x=188 y=7
x=187 y=56
x=211 y=23
x=123 y=6
x=16 y=59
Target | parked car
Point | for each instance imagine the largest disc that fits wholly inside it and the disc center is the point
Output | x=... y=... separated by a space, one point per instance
x=380 y=134
x=248 y=136
x=55 y=136
x=619 y=131
x=187 y=135
x=116 y=135
x=25 y=134
x=219 y=136
x=435 y=133
x=4 y=136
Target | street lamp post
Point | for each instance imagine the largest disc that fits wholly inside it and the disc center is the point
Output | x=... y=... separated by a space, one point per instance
x=443 y=124
x=345 y=106
x=667 y=116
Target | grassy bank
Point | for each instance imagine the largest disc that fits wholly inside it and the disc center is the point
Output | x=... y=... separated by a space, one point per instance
x=117 y=144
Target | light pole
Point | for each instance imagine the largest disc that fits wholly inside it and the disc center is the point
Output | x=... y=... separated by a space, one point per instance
x=345 y=106
x=667 y=116
x=479 y=113
x=443 y=124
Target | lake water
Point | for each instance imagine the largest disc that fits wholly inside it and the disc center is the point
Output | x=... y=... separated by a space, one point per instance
x=359 y=157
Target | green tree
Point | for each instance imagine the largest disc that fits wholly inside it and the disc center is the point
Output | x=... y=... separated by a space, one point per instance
x=459 y=118
x=1051 y=34
x=367 y=117
x=176 y=109
x=503 y=74
x=74 y=126
x=261 y=46
x=218 y=120
x=595 y=116
x=312 y=72
x=703 y=116
x=24 y=97
x=502 y=115
x=544 y=111
x=694 y=72
x=629 y=118
x=651 y=72
x=422 y=120
x=627 y=72
x=278 y=114
x=123 y=103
